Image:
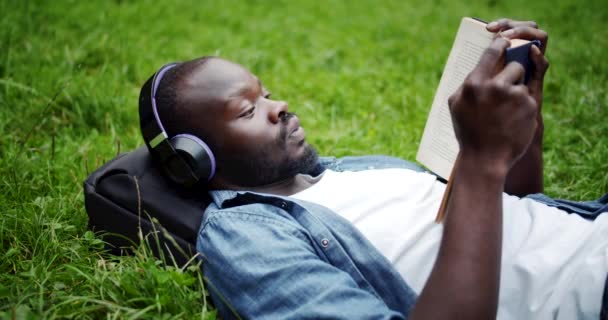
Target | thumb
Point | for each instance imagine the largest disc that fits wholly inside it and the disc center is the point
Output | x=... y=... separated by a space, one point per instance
x=541 y=64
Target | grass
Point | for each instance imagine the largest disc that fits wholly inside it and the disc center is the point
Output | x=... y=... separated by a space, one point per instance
x=361 y=75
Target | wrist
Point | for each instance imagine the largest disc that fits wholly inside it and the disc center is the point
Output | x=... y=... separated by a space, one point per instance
x=484 y=166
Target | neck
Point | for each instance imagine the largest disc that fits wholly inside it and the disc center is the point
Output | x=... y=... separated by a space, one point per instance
x=284 y=187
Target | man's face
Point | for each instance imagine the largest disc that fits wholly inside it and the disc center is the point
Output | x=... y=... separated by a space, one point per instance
x=255 y=139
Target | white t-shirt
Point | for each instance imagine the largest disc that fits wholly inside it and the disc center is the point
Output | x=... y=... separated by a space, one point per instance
x=553 y=264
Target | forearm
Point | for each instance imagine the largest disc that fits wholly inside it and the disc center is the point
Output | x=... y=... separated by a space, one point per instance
x=465 y=278
x=526 y=176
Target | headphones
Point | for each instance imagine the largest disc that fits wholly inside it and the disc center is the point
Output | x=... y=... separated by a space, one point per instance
x=184 y=158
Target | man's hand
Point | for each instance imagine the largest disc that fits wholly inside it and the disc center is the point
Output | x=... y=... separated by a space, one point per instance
x=527 y=30
x=526 y=176
x=494 y=117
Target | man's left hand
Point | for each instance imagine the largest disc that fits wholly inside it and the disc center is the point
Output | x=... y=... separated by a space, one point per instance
x=528 y=30
x=526 y=176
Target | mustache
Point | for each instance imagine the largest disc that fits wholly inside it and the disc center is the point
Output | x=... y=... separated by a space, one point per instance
x=282 y=135
x=285 y=116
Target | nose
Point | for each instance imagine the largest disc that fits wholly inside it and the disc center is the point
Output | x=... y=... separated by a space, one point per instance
x=277 y=109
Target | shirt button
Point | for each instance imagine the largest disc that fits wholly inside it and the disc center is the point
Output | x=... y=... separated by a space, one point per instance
x=325 y=243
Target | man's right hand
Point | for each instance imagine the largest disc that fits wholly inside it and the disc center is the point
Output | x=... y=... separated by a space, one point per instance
x=494 y=117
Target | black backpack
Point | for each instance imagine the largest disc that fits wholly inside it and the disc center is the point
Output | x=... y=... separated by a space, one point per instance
x=129 y=193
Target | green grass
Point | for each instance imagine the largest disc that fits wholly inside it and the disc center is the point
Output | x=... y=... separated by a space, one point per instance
x=361 y=75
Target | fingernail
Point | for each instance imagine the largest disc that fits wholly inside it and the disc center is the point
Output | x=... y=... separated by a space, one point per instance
x=508 y=33
x=492 y=25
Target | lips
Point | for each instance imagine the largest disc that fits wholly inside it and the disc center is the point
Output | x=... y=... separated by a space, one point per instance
x=295 y=130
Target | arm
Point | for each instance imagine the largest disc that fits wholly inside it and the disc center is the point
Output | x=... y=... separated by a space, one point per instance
x=494 y=121
x=465 y=279
x=526 y=176
x=262 y=269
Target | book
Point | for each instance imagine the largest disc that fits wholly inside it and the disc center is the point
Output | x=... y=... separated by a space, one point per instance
x=438 y=149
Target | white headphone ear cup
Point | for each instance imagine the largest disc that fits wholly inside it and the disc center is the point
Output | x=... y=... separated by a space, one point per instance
x=196 y=154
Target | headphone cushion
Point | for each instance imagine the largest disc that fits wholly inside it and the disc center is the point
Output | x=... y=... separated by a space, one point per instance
x=196 y=154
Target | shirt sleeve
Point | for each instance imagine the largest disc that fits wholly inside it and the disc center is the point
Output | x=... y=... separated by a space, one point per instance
x=260 y=268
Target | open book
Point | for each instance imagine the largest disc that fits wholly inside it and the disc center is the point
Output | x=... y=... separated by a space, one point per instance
x=439 y=148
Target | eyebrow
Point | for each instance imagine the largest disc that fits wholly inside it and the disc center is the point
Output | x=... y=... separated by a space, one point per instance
x=244 y=90
x=264 y=90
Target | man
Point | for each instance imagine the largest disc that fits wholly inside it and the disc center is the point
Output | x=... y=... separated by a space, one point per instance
x=280 y=241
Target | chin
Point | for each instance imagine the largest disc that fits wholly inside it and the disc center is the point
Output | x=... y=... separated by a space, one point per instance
x=306 y=158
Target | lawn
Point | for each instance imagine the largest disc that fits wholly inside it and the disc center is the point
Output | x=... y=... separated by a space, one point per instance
x=360 y=74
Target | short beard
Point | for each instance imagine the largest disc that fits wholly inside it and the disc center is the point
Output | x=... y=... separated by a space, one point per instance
x=258 y=170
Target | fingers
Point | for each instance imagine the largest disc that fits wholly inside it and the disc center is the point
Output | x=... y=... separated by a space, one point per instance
x=528 y=33
x=454 y=96
x=513 y=73
x=504 y=24
x=491 y=60
x=512 y=29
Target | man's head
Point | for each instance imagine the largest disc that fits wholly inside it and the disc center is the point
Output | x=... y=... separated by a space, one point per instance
x=256 y=141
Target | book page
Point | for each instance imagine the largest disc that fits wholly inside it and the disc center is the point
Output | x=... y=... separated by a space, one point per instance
x=439 y=148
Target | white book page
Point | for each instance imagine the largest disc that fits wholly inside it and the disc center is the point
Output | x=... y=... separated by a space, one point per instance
x=439 y=148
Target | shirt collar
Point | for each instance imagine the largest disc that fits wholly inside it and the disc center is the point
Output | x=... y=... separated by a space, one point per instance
x=221 y=196
x=228 y=198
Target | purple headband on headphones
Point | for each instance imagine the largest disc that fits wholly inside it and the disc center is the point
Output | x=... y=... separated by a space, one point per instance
x=156 y=84
x=159 y=76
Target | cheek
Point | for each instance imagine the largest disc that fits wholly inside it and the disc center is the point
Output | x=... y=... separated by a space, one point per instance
x=249 y=138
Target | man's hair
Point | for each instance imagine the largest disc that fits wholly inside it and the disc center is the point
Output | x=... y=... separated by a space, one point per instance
x=170 y=107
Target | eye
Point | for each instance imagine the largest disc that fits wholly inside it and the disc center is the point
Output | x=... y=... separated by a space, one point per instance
x=267 y=95
x=249 y=112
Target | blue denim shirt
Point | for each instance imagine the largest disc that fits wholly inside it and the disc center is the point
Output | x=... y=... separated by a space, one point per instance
x=272 y=257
